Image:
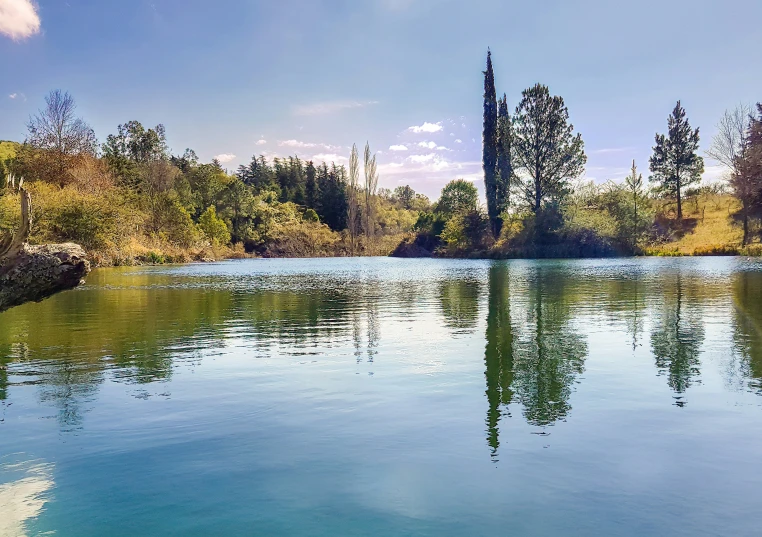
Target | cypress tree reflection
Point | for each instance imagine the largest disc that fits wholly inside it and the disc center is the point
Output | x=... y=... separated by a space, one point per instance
x=533 y=355
x=678 y=334
x=498 y=356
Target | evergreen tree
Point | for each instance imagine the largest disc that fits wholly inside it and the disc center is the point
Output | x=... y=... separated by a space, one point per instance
x=310 y=187
x=489 y=148
x=634 y=185
x=674 y=162
x=544 y=147
x=504 y=164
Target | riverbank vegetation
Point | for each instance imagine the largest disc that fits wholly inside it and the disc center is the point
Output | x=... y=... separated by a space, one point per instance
x=131 y=200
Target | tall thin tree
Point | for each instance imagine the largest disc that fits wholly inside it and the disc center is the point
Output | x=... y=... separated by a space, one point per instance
x=634 y=185
x=504 y=163
x=674 y=162
x=490 y=146
x=371 y=183
x=352 y=202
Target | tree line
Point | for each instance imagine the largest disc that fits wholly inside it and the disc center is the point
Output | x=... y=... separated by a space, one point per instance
x=532 y=159
x=133 y=181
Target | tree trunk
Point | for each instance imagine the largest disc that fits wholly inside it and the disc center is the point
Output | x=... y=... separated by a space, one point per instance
x=33 y=273
x=679 y=204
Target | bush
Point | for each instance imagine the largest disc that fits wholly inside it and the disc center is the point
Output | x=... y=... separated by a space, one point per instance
x=311 y=216
x=467 y=230
x=716 y=249
x=214 y=227
x=752 y=250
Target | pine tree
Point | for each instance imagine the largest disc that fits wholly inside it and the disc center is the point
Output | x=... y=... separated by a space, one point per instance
x=504 y=164
x=674 y=162
x=544 y=147
x=490 y=149
x=634 y=187
x=310 y=186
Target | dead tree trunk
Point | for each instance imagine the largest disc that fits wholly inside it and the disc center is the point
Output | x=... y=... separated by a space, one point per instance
x=33 y=273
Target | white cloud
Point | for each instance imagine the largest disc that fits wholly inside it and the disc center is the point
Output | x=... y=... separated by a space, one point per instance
x=261 y=142
x=328 y=107
x=426 y=127
x=463 y=125
x=427 y=145
x=18 y=19
x=422 y=158
x=225 y=157
x=399 y=147
x=307 y=145
x=13 y=95
x=458 y=141
x=610 y=150
x=328 y=158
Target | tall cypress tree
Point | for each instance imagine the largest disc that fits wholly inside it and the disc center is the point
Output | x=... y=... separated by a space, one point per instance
x=674 y=163
x=489 y=150
x=504 y=164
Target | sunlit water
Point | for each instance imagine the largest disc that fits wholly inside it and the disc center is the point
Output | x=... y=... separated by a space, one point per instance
x=387 y=397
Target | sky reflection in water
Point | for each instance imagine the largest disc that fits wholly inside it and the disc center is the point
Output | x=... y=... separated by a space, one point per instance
x=382 y=396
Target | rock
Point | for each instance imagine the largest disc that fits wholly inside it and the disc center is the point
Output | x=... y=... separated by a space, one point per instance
x=33 y=273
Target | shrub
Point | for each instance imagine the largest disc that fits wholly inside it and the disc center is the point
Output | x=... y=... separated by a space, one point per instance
x=311 y=216
x=716 y=249
x=214 y=227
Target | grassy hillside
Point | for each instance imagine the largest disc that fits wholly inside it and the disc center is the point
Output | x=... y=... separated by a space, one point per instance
x=708 y=228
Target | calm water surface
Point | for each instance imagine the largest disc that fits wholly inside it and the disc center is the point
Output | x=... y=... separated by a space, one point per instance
x=387 y=397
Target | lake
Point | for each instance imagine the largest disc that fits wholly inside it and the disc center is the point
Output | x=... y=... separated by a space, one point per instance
x=379 y=396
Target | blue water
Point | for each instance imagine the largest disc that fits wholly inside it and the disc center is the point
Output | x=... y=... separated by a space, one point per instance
x=387 y=397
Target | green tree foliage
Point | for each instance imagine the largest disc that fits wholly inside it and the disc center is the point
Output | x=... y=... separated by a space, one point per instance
x=504 y=164
x=458 y=196
x=258 y=175
x=214 y=227
x=405 y=196
x=674 y=162
x=311 y=191
x=332 y=198
x=490 y=146
x=466 y=230
x=545 y=149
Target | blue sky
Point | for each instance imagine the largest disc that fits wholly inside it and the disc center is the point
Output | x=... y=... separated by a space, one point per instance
x=283 y=77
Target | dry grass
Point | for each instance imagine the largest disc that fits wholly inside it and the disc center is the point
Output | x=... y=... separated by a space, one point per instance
x=707 y=228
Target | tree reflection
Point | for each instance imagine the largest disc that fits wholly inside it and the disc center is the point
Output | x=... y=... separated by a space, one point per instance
x=533 y=355
x=678 y=334
x=498 y=356
x=747 y=321
x=459 y=298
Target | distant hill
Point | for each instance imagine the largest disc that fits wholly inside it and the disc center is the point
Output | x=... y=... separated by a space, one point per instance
x=8 y=149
